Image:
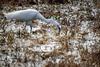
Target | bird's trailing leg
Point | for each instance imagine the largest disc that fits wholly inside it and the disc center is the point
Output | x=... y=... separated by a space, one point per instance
x=29 y=23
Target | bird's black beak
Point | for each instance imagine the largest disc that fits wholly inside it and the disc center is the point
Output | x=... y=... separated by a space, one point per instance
x=59 y=28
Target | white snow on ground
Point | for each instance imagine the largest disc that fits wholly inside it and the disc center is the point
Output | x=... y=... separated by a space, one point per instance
x=85 y=26
x=75 y=8
x=90 y=39
x=25 y=43
x=13 y=27
x=45 y=48
x=22 y=42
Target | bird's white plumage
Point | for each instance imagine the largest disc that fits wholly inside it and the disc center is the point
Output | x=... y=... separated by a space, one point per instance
x=22 y=15
x=29 y=15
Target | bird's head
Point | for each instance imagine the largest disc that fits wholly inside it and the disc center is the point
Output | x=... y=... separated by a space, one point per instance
x=55 y=22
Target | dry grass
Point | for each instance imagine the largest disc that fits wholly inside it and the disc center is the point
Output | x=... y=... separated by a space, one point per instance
x=70 y=31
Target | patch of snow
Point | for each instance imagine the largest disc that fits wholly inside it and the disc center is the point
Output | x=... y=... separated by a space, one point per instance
x=74 y=42
x=90 y=40
x=90 y=36
x=75 y=8
x=56 y=59
x=13 y=27
x=84 y=26
x=45 y=48
x=75 y=53
x=36 y=36
x=1 y=30
x=22 y=42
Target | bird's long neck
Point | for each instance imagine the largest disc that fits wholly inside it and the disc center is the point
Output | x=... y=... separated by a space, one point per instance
x=41 y=17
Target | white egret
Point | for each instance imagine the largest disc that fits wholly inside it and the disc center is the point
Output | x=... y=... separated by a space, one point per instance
x=29 y=15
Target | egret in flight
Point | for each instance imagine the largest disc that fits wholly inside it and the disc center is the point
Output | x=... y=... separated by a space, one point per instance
x=29 y=15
